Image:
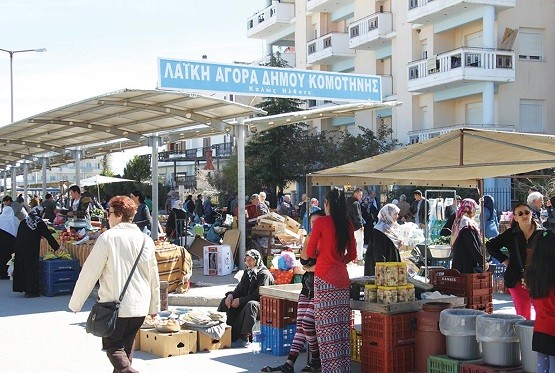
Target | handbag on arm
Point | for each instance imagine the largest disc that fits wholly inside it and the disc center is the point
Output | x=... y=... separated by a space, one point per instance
x=102 y=319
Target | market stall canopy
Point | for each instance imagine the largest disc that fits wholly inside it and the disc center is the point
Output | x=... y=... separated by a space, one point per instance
x=100 y=179
x=457 y=159
x=114 y=122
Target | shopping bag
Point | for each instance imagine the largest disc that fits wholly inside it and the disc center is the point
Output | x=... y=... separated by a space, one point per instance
x=102 y=319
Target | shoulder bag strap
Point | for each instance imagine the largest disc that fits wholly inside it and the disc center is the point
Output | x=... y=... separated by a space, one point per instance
x=519 y=258
x=132 y=270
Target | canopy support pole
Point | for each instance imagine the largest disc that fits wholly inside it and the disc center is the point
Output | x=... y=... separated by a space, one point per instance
x=154 y=143
x=5 y=185
x=14 y=182
x=482 y=220
x=44 y=161
x=25 y=182
x=241 y=216
x=77 y=155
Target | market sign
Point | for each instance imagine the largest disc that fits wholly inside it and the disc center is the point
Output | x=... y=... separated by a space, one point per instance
x=250 y=80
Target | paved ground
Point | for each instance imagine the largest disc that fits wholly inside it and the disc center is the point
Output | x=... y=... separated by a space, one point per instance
x=42 y=335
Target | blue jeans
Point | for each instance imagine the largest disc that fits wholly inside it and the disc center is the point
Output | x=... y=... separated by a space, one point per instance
x=546 y=363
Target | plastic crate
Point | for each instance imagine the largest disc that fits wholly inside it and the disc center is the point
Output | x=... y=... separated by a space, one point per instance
x=397 y=360
x=61 y=288
x=277 y=341
x=277 y=312
x=55 y=265
x=444 y=364
x=388 y=331
x=57 y=277
x=356 y=344
x=481 y=368
x=486 y=307
x=282 y=277
x=451 y=280
x=481 y=296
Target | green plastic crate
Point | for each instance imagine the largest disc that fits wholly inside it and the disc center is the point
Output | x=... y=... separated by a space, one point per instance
x=444 y=364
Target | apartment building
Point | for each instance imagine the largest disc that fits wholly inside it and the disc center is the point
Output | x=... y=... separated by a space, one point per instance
x=486 y=63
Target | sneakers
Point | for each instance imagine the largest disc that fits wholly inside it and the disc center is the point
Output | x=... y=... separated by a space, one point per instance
x=282 y=368
x=240 y=343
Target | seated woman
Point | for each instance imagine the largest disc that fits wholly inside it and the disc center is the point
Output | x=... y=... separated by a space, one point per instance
x=177 y=219
x=465 y=239
x=384 y=241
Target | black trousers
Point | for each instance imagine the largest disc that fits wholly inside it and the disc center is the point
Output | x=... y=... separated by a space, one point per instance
x=241 y=319
x=119 y=347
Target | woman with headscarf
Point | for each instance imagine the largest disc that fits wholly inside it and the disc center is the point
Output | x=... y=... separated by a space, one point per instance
x=242 y=305
x=491 y=222
x=465 y=239
x=385 y=240
x=332 y=243
x=27 y=247
x=176 y=219
x=8 y=230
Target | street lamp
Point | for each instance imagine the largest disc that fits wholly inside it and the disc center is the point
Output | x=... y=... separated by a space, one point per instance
x=11 y=53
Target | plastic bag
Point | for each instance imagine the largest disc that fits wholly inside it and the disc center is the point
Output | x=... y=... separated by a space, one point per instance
x=10 y=265
x=497 y=328
x=455 y=322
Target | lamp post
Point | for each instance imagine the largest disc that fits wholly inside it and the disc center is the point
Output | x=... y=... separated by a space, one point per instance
x=11 y=53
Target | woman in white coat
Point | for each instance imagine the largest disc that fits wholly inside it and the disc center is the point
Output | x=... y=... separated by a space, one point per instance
x=110 y=263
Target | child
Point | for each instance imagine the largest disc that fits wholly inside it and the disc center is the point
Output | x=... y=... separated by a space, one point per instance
x=541 y=282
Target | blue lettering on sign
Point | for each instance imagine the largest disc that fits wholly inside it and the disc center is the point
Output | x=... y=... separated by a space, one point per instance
x=267 y=81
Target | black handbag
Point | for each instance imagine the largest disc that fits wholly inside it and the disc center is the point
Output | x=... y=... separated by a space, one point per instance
x=102 y=319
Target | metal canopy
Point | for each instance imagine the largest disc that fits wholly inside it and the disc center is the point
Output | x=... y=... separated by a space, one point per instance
x=115 y=122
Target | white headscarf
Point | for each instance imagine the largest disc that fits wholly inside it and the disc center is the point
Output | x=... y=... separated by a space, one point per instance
x=8 y=221
x=34 y=217
x=388 y=225
x=177 y=204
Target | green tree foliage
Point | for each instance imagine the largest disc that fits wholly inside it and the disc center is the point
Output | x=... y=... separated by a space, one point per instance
x=138 y=168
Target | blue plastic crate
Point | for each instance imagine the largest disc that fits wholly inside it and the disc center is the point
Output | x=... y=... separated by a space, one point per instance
x=55 y=265
x=277 y=341
x=50 y=290
x=58 y=276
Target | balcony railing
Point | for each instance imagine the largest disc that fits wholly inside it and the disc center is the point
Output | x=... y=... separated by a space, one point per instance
x=329 y=49
x=457 y=66
x=431 y=11
x=222 y=150
x=326 y=6
x=371 y=32
x=270 y=20
x=426 y=134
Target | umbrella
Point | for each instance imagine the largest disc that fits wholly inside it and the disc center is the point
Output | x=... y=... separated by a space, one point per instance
x=100 y=179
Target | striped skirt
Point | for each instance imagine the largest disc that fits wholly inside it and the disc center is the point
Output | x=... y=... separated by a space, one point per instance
x=332 y=313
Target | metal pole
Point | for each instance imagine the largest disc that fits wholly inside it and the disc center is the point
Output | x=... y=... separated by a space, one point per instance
x=154 y=143
x=44 y=160
x=14 y=182
x=11 y=86
x=77 y=157
x=25 y=182
x=240 y=127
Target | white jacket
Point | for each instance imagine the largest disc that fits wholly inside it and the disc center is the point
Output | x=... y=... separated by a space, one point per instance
x=110 y=263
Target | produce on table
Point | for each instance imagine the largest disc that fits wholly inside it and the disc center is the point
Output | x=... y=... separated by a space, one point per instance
x=60 y=254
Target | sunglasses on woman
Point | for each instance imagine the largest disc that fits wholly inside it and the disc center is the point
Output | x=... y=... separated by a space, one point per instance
x=525 y=212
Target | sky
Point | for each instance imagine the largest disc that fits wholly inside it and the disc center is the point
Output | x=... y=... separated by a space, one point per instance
x=100 y=46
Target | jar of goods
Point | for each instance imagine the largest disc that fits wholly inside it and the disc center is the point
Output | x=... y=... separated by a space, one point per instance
x=391 y=274
x=387 y=294
x=370 y=293
x=411 y=297
x=402 y=293
x=380 y=273
x=402 y=273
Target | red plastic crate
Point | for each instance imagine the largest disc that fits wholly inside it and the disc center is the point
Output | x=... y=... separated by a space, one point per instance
x=277 y=312
x=452 y=280
x=397 y=360
x=487 y=307
x=474 y=299
x=388 y=331
x=481 y=368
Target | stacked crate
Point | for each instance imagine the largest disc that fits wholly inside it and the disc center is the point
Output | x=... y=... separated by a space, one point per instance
x=477 y=288
x=277 y=325
x=58 y=276
x=481 y=368
x=498 y=271
x=444 y=364
x=388 y=342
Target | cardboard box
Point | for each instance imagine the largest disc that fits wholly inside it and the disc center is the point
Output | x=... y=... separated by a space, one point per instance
x=218 y=260
x=138 y=342
x=168 y=344
x=292 y=224
x=205 y=343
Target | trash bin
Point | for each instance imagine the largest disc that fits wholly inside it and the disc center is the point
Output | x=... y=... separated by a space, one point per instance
x=459 y=328
x=500 y=345
x=525 y=332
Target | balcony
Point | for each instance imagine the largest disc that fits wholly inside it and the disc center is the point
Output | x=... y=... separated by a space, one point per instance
x=329 y=49
x=326 y=6
x=275 y=18
x=372 y=32
x=222 y=150
x=456 y=68
x=423 y=135
x=432 y=11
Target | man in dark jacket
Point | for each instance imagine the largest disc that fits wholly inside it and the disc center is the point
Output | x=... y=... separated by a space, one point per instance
x=354 y=214
x=419 y=208
x=242 y=305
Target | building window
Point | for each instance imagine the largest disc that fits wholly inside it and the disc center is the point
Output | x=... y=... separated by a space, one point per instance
x=531 y=116
x=311 y=48
x=355 y=31
x=327 y=42
x=530 y=46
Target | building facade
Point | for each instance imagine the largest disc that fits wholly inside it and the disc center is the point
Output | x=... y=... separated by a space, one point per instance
x=451 y=63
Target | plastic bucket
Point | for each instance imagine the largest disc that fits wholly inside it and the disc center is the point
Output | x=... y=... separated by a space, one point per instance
x=525 y=331
x=463 y=347
x=501 y=354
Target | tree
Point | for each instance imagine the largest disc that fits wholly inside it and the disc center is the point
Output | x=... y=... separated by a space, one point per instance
x=138 y=168
x=106 y=170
